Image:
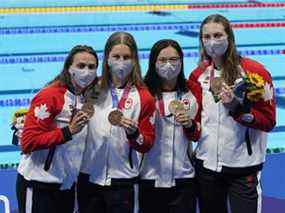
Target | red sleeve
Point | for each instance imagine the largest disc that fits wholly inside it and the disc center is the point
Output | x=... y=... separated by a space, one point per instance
x=194 y=75
x=143 y=139
x=193 y=133
x=264 y=111
x=40 y=131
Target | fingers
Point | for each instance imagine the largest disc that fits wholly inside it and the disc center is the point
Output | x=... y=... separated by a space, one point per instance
x=183 y=118
x=226 y=94
x=129 y=125
x=81 y=118
x=78 y=122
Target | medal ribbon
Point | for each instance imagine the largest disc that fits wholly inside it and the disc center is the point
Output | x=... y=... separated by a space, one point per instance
x=160 y=103
x=120 y=103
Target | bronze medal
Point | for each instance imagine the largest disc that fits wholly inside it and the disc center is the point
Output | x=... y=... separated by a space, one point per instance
x=175 y=106
x=115 y=117
x=88 y=108
x=216 y=85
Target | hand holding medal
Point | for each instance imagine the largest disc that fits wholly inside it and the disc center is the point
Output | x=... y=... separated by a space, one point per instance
x=181 y=115
x=80 y=117
x=226 y=95
x=88 y=109
x=175 y=106
x=221 y=91
x=115 y=117
x=216 y=85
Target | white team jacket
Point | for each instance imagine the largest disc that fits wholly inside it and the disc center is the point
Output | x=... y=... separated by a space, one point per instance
x=109 y=153
x=222 y=142
x=49 y=113
x=169 y=159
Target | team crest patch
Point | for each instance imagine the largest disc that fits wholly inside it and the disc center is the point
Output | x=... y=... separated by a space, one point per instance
x=41 y=112
x=186 y=103
x=129 y=103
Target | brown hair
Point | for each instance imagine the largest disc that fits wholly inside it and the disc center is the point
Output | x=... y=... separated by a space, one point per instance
x=63 y=78
x=231 y=58
x=128 y=40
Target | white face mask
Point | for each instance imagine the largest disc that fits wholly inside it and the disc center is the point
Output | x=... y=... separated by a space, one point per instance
x=121 y=68
x=216 y=48
x=82 y=77
x=168 y=71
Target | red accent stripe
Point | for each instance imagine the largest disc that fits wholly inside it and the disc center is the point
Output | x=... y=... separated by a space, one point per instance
x=246 y=5
x=259 y=25
x=283 y=52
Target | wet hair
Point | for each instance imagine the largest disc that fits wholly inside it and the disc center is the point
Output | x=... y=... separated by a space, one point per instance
x=152 y=80
x=127 y=39
x=231 y=58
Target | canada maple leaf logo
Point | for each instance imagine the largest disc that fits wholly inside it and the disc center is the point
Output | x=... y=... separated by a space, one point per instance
x=152 y=118
x=41 y=112
x=268 y=92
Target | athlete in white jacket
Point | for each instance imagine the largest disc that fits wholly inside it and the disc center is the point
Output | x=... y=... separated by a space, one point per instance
x=167 y=174
x=54 y=137
x=232 y=146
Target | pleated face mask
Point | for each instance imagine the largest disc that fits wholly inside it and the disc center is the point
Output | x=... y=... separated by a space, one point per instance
x=168 y=70
x=121 y=68
x=83 y=77
x=216 y=47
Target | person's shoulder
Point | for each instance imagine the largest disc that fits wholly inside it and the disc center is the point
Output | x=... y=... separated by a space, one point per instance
x=194 y=87
x=199 y=69
x=52 y=91
x=145 y=94
x=192 y=84
x=252 y=66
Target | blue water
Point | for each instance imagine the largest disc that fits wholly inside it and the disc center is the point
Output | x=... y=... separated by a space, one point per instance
x=39 y=3
x=33 y=47
x=33 y=39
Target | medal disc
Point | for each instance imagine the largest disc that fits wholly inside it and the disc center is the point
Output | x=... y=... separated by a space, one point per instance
x=115 y=117
x=175 y=106
x=216 y=85
x=88 y=108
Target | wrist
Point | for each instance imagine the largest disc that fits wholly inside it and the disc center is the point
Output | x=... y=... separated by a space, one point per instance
x=133 y=135
x=189 y=124
x=190 y=128
x=67 y=135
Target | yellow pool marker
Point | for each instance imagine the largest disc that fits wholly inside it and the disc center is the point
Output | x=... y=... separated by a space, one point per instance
x=31 y=10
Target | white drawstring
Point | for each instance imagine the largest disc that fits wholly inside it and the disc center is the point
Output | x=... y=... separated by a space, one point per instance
x=6 y=203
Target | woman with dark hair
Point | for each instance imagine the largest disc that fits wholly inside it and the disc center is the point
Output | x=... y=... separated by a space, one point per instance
x=167 y=174
x=54 y=135
x=121 y=130
x=238 y=111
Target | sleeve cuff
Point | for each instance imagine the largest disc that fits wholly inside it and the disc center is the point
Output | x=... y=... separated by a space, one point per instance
x=241 y=109
x=134 y=135
x=67 y=136
x=191 y=128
